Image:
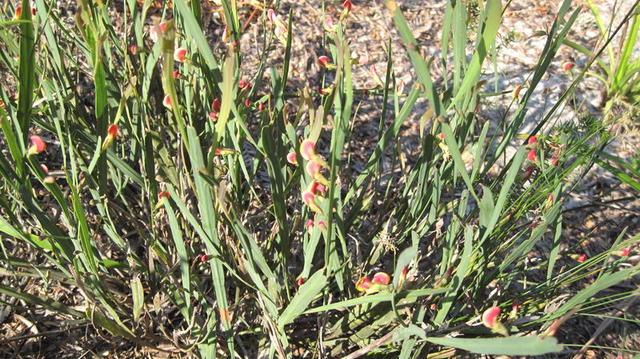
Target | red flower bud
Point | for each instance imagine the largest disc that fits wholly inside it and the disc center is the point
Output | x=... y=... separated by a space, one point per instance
x=300 y=281
x=215 y=105
x=112 y=131
x=323 y=61
x=309 y=224
x=164 y=194
x=490 y=317
x=567 y=66
x=532 y=140
x=532 y=155
x=133 y=50
x=167 y=102
x=175 y=74
x=583 y=257
x=313 y=168
x=204 y=258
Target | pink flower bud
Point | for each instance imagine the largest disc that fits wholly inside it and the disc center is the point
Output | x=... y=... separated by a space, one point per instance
x=441 y=136
x=292 y=158
x=175 y=74
x=308 y=149
x=44 y=168
x=167 y=102
x=532 y=155
x=308 y=198
x=309 y=224
x=554 y=160
x=37 y=145
x=247 y=103
x=164 y=194
x=329 y=26
x=133 y=50
x=204 y=258
x=313 y=168
x=33 y=11
x=244 y=84
x=261 y=106
x=583 y=257
x=490 y=317
x=317 y=188
x=213 y=115
x=271 y=14
x=300 y=281
x=18 y=13
x=381 y=278
x=180 y=54
x=532 y=140
x=322 y=226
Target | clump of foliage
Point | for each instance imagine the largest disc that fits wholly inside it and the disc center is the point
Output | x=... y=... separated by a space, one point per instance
x=185 y=204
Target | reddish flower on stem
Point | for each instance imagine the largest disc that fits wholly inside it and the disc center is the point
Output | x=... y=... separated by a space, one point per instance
x=310 y=200
x=567 y=66
x=180 y=54
x=133 y=49
x=317 y=188
x=516 y=92
x=490 y=317
x=247 y=103
x=309 y=224
x=313 y=168
x=381 y=278
x=175 y=74
x=363 y=284
x=583 y=257
x=215 y=105
x=300 y=281
x=164 y=194
x=37 y=145
x=244 y=84
x=167 y=102
x=308 y=149
x=213 y=115
x=554 y=160
x=532 y=155
x=347 y=8
x=204 y=258
x=44 y=168
x=323 y=61
x=322 y=226
x=532 y=140
x=260 y=106
x=18 y=14
x=292 y=158
x=623 y=252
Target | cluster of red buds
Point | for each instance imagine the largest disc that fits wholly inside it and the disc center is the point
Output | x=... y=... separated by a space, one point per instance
x=314 y=167
x=378 y=282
